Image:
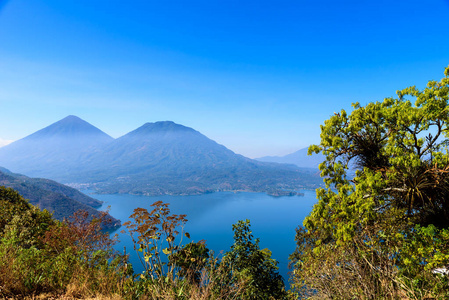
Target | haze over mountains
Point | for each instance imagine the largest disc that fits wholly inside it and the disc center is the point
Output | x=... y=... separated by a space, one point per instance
x=55 y=149
x=298 y=158
x=156 y=158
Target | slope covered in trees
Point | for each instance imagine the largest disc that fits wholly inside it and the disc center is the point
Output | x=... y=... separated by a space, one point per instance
x=61 y=200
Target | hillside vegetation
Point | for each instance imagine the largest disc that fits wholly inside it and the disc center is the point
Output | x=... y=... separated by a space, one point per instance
x=45 y=258
x=62 y=201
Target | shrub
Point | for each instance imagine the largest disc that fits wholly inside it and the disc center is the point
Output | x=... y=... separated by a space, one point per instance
x=42 y=255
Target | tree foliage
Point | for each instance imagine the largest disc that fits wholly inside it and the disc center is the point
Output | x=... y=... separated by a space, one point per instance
x=191 y=259
x=244 y=272
x=39 y=254
x=247 y=261
x=21 y=219
x=378 y=232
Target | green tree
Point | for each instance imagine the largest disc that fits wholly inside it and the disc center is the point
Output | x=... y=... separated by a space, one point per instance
x=39 y=254
x=21 y=219
x=191 y=259
x=379 y=232
x=247 y=262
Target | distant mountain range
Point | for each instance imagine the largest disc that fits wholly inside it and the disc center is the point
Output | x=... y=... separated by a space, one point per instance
x=62 y=200
x=155 y=159
x=298 y=158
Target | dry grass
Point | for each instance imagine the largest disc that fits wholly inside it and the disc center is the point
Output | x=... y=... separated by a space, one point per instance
x=209 y=288
x=49 y=296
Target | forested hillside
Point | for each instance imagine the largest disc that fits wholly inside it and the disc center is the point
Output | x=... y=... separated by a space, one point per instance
x=62 y=201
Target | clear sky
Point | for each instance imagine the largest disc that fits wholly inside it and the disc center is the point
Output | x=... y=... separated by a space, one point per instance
x=256 y=76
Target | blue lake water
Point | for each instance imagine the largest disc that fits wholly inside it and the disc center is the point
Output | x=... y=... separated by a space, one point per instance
x=210 y=217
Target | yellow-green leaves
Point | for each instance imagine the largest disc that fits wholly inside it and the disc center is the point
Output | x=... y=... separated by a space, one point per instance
x=386 y=170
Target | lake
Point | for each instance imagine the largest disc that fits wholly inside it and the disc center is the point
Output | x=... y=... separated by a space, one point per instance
x=210 y=217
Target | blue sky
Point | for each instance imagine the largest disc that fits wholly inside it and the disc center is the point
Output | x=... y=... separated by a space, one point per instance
x=256 y=76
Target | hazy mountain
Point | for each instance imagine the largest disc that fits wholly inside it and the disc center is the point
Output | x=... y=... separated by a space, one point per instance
x=298 y=158
x=168 y=158
x=62 y=200
x=156 y=158
x=54 y=150
x=162 y=147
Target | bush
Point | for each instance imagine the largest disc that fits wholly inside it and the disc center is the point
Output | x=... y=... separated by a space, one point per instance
x=42 y=255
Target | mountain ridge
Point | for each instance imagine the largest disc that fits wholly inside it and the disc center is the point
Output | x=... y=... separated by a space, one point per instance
x=61 y=200
x=58 y=146
x=69 y=126
x=299 y=158
x=156 y=158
